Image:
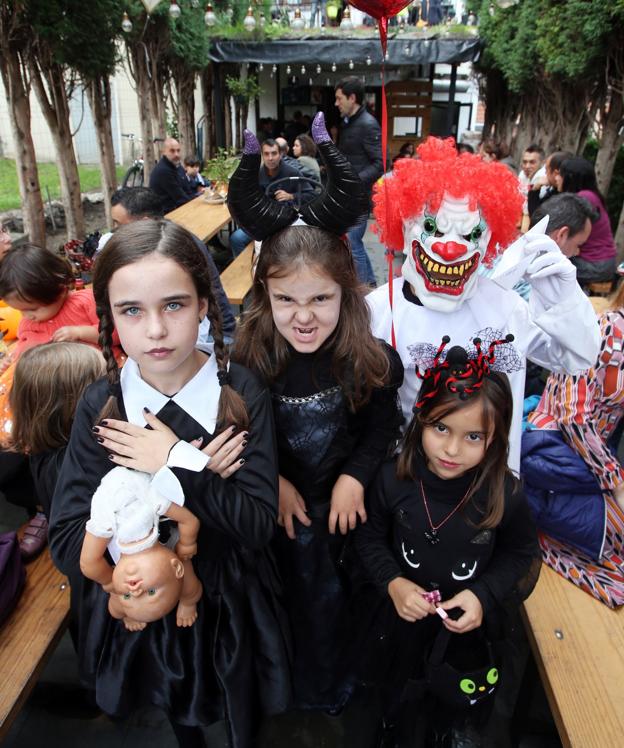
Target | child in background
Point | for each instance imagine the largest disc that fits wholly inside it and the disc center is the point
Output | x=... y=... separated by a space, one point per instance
x=152 y=286
x=48 y=383
x=446 y=519
x=191 y=168
x=307 y=334
x=38 y=283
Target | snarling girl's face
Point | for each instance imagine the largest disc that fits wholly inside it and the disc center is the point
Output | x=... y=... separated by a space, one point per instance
x=443 y=251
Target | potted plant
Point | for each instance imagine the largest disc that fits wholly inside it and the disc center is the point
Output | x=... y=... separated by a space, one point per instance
x=220 y=168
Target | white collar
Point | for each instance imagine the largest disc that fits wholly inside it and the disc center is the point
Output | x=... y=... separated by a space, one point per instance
x=199 y=397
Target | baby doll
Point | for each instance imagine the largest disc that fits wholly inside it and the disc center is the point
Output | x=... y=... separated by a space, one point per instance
x=148 y=579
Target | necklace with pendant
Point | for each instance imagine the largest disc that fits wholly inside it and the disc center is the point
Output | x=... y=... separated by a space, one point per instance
x=431 y=535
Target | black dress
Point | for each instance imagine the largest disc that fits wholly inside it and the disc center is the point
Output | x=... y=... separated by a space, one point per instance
x=492 y=563
x=319 y=439
x=232 y=663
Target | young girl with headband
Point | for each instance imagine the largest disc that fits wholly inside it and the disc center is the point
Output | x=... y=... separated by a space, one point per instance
x=152 y=286
x=306 y=333
x=449 y=536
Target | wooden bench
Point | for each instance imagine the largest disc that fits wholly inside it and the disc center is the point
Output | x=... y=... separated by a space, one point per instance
x=237 y=277
x=30 y=635
x=600 y=288
x=578 y=644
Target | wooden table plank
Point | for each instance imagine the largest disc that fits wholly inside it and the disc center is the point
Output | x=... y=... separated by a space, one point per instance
x=201 y=218
x=237 y=277
x=30 y=634
x=582 y=668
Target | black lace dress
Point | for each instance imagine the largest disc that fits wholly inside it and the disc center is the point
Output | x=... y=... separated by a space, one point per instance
x=319 y=439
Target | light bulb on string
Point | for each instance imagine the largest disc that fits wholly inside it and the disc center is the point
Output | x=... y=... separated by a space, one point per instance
x=318 y=69
x=369 y=62
x=297 y=23
x=309 y=81
x=346 y=24
x=249 y=22
x=274 y=69
x=260 y=67
x=174 y=10
x=210 y=18
x=126 y=24
x=351 y=65
x=334 y=66
x=288 y=69
x=303 y=69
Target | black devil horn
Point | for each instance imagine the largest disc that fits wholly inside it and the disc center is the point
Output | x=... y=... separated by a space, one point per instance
x=343 y=202
x=258 y=215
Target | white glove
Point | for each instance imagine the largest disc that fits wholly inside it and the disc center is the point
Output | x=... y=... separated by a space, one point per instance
x=551 y=274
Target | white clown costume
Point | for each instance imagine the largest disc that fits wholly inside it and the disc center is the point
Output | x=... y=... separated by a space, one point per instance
x=450 y=213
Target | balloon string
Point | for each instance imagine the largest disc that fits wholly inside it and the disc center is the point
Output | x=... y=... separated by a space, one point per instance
x=383 y=34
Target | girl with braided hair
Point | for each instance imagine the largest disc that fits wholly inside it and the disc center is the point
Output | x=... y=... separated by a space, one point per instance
x=153 y=287
x=449 y=537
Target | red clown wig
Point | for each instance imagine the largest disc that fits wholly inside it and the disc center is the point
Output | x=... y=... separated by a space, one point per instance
x=422 y=182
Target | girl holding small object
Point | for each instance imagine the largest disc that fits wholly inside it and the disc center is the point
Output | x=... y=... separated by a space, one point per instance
x=334 y=389
x=169 y=397
x=38 y=283
x=449 y=536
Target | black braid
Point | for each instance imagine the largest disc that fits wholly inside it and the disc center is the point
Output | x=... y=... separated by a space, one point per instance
x=232 y=408
x=106 y=328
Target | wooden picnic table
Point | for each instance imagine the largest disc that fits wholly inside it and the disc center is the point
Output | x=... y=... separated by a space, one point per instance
x=30 y=634
x=201 y=218
x=578 y=644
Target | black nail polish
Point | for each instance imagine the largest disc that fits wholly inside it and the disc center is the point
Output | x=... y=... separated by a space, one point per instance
x=111 y=457
x=95 y=429
x=246 y=434
x=100 y=440
x=242 y=461
x=147 y=410
x=244 y=444
x=103 y=423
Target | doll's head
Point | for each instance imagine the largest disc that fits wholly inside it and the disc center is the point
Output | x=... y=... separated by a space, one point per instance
x=146 y=585
x=449 y=213
x=35 y=281
x=153 y=285
x=48 y=383
x=462 y=420
x=306 y=295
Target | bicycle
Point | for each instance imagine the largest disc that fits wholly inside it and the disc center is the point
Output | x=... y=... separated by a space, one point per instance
x=135 y=176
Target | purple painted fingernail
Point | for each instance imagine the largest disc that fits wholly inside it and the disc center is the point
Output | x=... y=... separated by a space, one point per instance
x=95 y=429
x=146 y=410
x=244 y=444
x=241 y=461
x=100 y=440
x=103 y=423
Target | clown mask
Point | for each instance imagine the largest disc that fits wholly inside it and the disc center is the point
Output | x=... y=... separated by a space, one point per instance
x=443 y=251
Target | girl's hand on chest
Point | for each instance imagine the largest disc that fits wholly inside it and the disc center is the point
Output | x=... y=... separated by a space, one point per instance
x=134 y=447
x=408 y=600
x=472 y=612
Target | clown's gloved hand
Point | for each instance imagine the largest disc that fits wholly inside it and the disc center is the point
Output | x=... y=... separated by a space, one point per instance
x=551 y=274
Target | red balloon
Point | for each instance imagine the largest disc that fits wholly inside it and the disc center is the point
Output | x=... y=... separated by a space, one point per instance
x=380 y=8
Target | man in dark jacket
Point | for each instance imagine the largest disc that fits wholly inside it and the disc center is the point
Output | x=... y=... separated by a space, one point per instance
x=360 y=141
x=168 y=179
x=272 y=170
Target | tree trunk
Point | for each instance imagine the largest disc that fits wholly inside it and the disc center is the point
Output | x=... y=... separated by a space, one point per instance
x=13 y=78
x=185 y=88
x=209 y=117
x=55 y=107
x=99 y=95
x=610 y=143
x=619 y=236
x=138 y=65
